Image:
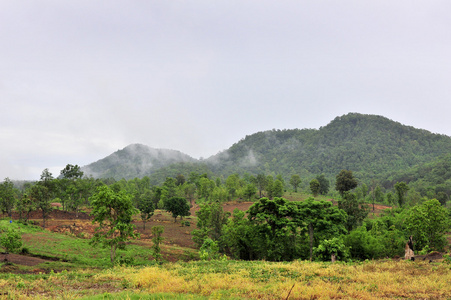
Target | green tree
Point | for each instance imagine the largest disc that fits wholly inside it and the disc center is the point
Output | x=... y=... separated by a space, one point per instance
x=40 y=196
x=211 y=219
x=260 y=182
x=112 y=212
x=356 y=210
x=315 y=187
x=145 y=206
x=401 y=189
x=179 y=180
x=345 y=181
x=277 y=189
x=276 y=228
x=428 y=223
x=178 y=206
x=295 y=181
x=7 y=196
x=157 y=239
x=323 y=184
x=25 y=206
x=321 y=219
x=11 y=240
x=71 y=172
x=331 y=249
x=249 y=191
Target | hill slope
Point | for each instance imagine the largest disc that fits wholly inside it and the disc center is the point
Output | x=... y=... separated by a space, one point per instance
x=371 y=146
x=135 y=160
x=366 y=144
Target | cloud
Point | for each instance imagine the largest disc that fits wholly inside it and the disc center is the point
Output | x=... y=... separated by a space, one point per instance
x=81 y=80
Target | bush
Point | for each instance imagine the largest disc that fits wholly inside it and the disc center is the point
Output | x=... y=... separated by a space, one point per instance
x=11 y=241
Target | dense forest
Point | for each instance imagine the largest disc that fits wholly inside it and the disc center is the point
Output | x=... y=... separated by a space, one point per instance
x=376 y=149
x=313 y=192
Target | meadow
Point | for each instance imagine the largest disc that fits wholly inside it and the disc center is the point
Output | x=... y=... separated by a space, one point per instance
x=229 y=279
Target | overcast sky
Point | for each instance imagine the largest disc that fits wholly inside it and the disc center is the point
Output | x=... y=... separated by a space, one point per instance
x=82 y=79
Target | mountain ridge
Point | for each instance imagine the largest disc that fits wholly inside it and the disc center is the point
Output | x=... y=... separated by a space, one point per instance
x=369 y=145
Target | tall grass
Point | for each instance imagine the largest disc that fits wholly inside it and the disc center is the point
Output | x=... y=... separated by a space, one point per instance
x=242 y=280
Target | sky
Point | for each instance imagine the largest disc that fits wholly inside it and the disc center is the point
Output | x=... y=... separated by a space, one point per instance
x=82 y=79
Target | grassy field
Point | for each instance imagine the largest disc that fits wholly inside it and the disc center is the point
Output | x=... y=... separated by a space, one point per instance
x=239 y=280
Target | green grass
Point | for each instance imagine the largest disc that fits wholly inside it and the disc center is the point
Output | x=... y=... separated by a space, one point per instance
x=68 y=251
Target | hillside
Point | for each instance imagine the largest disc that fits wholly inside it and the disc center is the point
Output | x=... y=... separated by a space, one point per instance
x=366 y=144
x=135 y=160
x=371 y=146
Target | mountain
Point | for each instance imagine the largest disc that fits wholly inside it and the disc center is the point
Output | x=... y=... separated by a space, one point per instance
x=135 y=160
x=369 y=145
x=373 y=147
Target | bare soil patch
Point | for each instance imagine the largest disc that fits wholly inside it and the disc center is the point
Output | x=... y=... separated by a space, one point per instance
x=21 y=259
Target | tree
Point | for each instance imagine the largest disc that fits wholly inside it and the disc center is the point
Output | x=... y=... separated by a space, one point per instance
x=25 y=206
x=277 y=189
x=401 y=190
x=71 y=172
x=260 y=182
x=211 y=218
x=179 y=180
x=321 y=219
x=112 y=211
x=11 y=241
x=249 y=191
x=295 y=181
x=157 y=231
x=7 y=196
x=323 y=184
x=345 y=181
x=329 y=250
x=178 y=206
x=276 y=228
x=428 y=223
x=356 y=211
x=315 y=187
x=40 y=196
x=145 y=206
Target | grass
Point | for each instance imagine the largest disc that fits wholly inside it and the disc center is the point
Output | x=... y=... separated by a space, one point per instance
x=240 y=280
x=69 y=252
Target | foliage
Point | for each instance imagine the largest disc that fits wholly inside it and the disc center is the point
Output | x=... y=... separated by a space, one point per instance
x=315 y=187
x=401 y=189
x=210 y=221
x=323 y=184
x=7 y=196
x=178 y=206
x=11 y=240
x=145 y=206
x=321 y=220
x=295 y=180
x=71 y=172
x=333 y=246
x=157 y=239
x=209 y=250
x=113 y=212
x=276 y=225
x=345 y=181
x=428 y=223
x=355 y=209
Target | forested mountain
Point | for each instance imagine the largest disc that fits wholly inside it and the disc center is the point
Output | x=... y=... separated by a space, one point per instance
x=135 y=160
x=373 y=147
